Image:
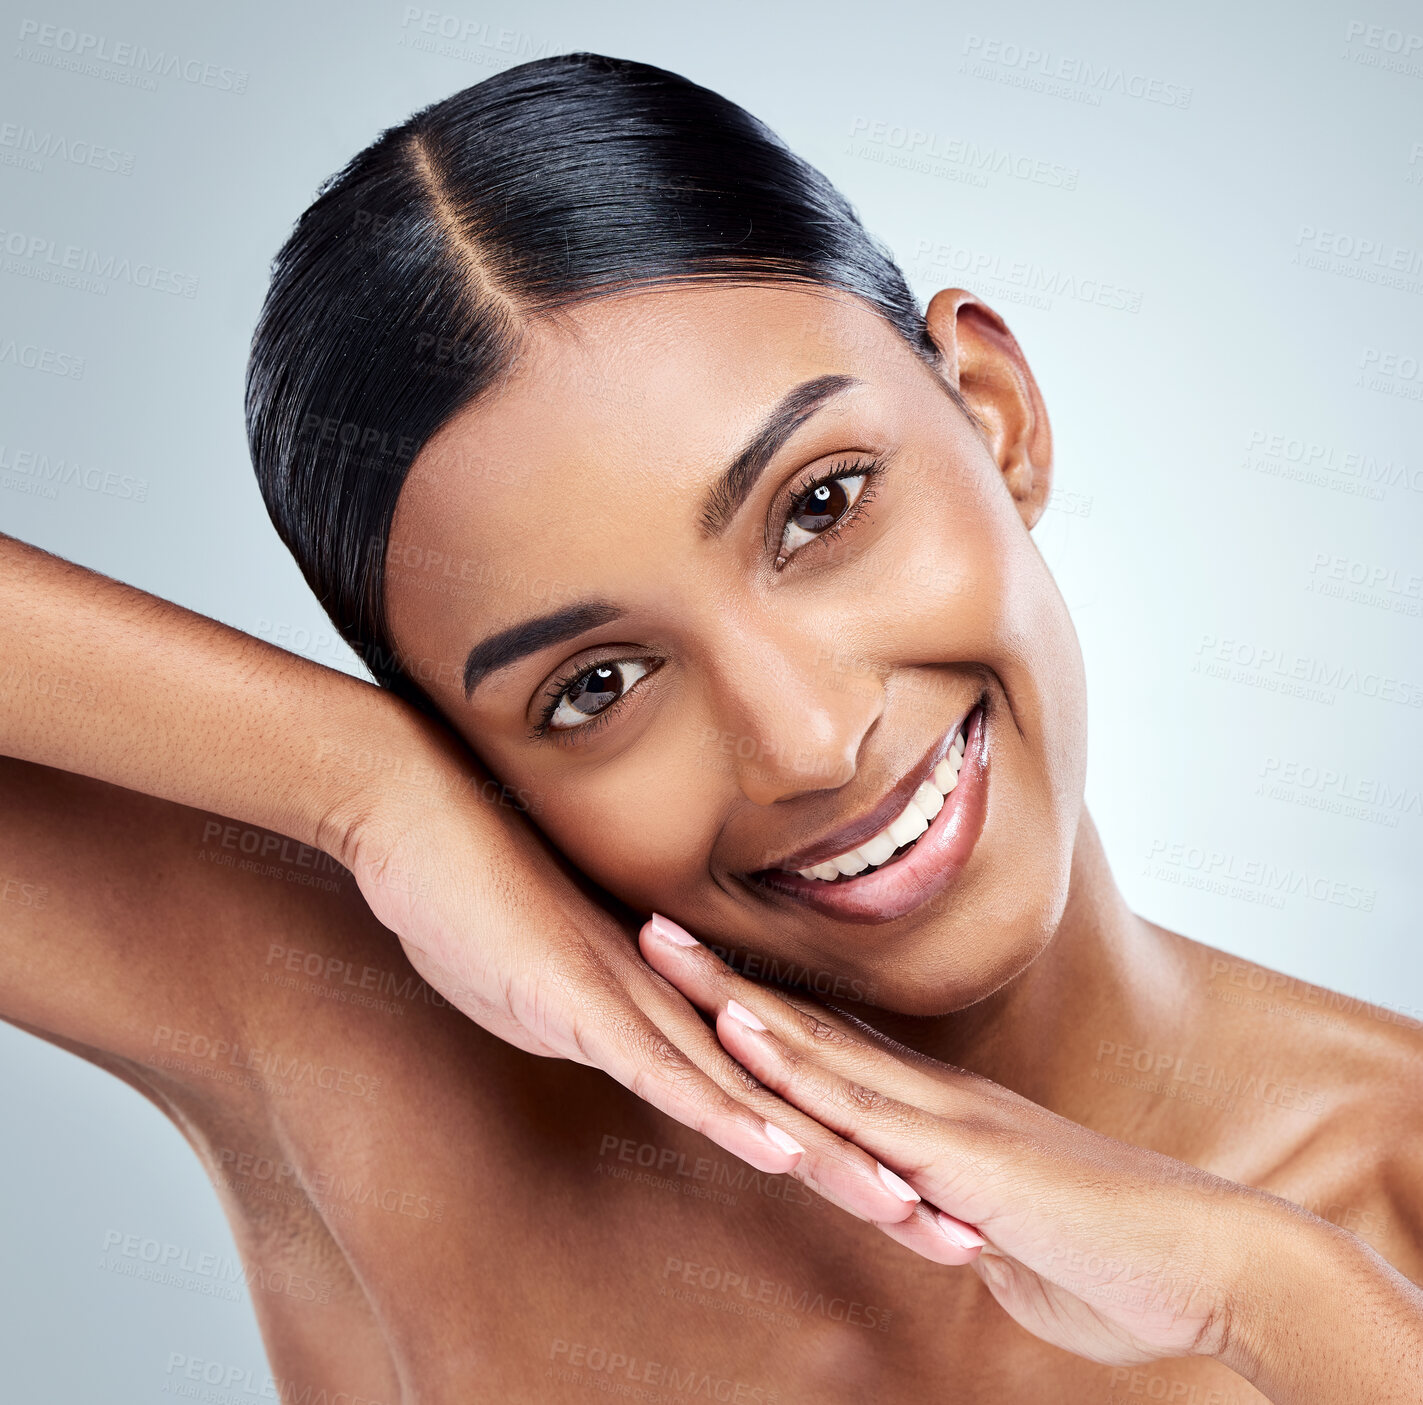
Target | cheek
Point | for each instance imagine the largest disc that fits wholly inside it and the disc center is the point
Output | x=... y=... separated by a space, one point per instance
x=989 y=603
x=963 y=582
x=641 y=827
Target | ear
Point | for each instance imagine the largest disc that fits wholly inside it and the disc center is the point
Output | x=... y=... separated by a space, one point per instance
x=981 y=359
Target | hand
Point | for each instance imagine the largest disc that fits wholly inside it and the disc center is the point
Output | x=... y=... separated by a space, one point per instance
x=498 y=922
x=1108 y=1250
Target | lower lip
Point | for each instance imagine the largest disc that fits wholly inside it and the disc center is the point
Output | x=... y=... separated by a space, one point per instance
x=920 y=873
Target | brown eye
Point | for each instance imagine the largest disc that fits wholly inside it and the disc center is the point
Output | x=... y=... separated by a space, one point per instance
x=820 y=507
x=594 y=691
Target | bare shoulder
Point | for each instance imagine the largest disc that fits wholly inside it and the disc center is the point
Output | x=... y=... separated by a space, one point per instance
x=128 y=922
x=1335 y=1096
x=158 y=942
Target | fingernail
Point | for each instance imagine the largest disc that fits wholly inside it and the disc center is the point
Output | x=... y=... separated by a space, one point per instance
x=957 y=1232
x=740 y=1012
x=900 y=1187
x=666 y=927
x=782 y=1140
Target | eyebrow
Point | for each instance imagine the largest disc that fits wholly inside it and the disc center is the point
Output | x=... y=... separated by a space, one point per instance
x=720 y=506
x=737 y=482
x=529 y=636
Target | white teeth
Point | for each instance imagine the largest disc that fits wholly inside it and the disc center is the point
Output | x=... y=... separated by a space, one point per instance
x=907 y=826
x=910 y=825
x=878 y=849
x=929 y=799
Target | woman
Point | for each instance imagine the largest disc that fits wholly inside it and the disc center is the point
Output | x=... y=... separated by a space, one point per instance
x=697 y=566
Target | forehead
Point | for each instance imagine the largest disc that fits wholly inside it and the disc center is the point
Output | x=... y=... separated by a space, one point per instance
x=618 y=412
x=675 y=375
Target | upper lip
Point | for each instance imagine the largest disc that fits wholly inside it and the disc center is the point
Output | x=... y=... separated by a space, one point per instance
x=856 y=832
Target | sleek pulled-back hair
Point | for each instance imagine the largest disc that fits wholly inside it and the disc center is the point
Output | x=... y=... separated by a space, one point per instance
x=401 y=292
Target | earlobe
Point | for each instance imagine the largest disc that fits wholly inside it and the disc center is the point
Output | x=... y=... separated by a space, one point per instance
x=982 y=360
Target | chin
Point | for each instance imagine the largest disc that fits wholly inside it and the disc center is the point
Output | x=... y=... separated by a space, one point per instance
x=987 y=937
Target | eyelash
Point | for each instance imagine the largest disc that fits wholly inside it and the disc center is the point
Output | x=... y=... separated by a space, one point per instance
x=870 y=469
x=555 y=691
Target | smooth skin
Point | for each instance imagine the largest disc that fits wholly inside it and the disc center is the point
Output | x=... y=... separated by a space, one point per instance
x=983 y=1041
x=1216 y=1269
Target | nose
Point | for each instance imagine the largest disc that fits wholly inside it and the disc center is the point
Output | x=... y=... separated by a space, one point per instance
x=794 y=712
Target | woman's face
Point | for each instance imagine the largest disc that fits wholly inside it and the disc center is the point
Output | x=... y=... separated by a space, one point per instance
x=727 y=569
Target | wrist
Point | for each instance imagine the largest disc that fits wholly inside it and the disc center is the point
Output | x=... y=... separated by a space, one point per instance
x=380 y=769
x=1313 y=1314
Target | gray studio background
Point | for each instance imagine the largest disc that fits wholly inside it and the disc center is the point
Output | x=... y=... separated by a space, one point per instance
x=1213 y=257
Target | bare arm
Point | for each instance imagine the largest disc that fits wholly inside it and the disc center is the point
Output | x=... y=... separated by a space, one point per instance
x=104 y=681
x=108 y=682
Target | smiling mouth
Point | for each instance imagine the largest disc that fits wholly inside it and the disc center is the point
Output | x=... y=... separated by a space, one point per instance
x=912 y=857
x=904 y=832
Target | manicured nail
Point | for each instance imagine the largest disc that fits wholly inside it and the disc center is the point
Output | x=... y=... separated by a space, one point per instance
x=783 y=1140
x=740 y=1012
x=957 y=1232
x=900 y=1187
x=666 y=927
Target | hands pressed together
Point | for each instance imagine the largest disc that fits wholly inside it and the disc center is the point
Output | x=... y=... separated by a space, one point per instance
x=1094 y=1245
x=1111 y=1251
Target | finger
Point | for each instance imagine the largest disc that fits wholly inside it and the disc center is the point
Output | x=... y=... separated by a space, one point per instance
x=955 y=1164
x=935 y=1236
x=617 y=1036
x=844 y=1046
x=928 y=1230
x=647 y=1036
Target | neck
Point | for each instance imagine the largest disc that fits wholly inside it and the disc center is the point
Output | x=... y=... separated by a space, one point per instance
x=1105 y=973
